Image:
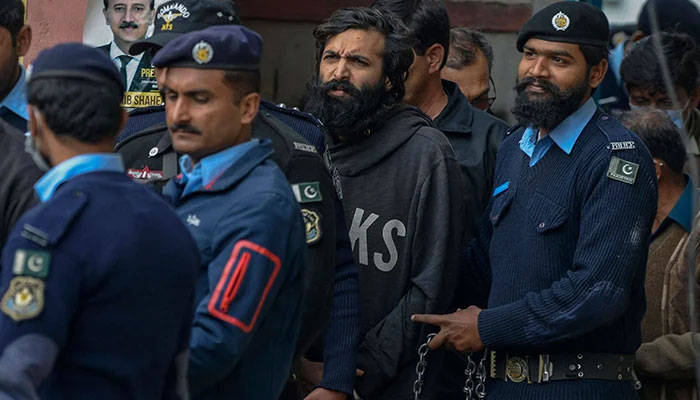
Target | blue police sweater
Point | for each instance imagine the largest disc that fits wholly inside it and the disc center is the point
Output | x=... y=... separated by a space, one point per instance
x=250 y=234
x=565 y=253
x=110 y=270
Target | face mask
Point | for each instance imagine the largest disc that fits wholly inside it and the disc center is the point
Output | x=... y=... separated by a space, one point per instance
x=30 y=147
x=675 y=115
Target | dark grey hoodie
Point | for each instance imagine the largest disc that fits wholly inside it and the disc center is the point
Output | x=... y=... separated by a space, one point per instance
x=403 y=205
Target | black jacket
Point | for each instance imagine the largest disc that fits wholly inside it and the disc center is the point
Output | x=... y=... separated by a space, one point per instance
x=403 y=205
x=475 y=137
x=149 y=157
x=19 y=175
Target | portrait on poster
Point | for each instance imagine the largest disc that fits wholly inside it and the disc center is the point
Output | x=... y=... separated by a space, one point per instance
x=112 y=26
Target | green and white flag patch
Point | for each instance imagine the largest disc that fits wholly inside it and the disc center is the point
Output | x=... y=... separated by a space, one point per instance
x=32 y=263
x=622 y=170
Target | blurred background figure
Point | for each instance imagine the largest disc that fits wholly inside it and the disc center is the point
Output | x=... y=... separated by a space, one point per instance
x=664 y=362
x=642 y=75
x=674 y=16
x=15 y=38
x=469 y=63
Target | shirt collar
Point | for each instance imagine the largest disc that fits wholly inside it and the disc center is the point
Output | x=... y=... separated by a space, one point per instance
x=16 y=100
x=211 y=167
x=682 y=211
x=567 y=132
x=115 y=51
x=78 y=165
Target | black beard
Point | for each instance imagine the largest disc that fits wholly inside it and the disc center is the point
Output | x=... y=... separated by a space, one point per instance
x=348 y=118
x=549 y=109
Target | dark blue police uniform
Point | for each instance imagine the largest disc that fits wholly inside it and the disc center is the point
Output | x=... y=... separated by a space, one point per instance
x=251 y=238
x=98 y=280
x=97 y=286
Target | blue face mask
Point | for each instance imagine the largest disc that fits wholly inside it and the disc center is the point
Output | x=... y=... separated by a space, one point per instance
x=675 y=115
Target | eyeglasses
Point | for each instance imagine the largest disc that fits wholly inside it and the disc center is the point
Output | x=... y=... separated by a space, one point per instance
x=487 y=99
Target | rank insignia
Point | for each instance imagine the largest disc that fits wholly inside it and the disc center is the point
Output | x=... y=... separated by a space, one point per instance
x=312 y=225
x=32 y=263
x=24 y=298
x=202 y=52
x=623 y=171
x=560 y=21
x=309 y=192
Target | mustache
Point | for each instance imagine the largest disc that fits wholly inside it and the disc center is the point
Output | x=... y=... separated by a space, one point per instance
x=128 y=24
x=345 y=86
x=184 y=128
x=548 y=86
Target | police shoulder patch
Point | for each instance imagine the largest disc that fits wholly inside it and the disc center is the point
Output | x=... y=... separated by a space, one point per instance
x=24 y=299
x=312 y=226
x=622 y=170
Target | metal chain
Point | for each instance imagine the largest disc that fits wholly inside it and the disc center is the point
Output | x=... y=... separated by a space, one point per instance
x=481 y=378
x=420 y=367
x=469 y=383
x=478 y=388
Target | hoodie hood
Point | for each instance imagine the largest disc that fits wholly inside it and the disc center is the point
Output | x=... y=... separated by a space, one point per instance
x=402 y=122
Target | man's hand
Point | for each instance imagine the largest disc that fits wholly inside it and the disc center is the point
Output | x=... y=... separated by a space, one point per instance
x=459 y=330
x=309 y=373
x=325 y=394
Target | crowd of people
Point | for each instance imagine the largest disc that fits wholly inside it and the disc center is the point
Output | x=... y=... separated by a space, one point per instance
x=393 y=239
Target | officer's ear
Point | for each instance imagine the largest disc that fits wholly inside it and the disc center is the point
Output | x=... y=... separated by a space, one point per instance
x=23 y=40
x=597 y=73
x=249 y=106
x=658 y=163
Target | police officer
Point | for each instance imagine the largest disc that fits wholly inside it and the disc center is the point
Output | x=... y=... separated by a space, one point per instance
x=331 y=284
x=241 y=212
x=562 y=254
x=99 y=278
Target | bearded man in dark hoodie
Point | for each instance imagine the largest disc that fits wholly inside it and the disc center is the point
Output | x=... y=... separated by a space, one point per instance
x=400 y=184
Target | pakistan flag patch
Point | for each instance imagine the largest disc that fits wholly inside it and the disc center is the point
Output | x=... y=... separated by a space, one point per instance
x=623 y=171
x=32 y=263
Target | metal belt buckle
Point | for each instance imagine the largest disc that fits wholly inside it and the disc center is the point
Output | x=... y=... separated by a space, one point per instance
x=545 y=371
x=516 y=369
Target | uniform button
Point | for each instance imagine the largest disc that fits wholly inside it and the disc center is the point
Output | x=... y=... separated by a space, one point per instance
x=153 y=152
x=604 y=117
x=600 y=367
x=541 y=225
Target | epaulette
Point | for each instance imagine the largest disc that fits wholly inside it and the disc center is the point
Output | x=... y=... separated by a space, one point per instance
x=512 y=129
x=617 y=136
x=291 y=111
x=50 y=224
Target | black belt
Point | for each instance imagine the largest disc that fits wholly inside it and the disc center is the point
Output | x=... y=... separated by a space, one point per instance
x=542 y=368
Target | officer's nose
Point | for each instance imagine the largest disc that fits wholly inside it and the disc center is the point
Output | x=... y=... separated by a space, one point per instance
x=177 y=111
x=129 y=15
x=539 y=68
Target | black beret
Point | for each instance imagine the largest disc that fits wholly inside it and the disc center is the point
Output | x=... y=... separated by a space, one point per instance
x=175 y=18
x=567 y=22
x=75 y=61
x=229 y=47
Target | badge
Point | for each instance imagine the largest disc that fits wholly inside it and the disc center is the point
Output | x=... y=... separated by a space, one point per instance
x=308 y=192
x=153 y=152
x=560 y=21
x=169 y=13
x=516 y=369
x=623 y=171
x=24 y=298
x=145 y=174
x=202 y=52
x=32 y=263
x=305 y=147
x=312 y=225
x=614 y=146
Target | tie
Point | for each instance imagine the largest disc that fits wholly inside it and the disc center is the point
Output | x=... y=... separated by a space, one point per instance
x=124 y=60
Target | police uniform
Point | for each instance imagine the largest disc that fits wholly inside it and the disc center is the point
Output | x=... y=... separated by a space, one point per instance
x=94 y=304
x=564 y=247
x=247 y=223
